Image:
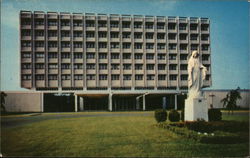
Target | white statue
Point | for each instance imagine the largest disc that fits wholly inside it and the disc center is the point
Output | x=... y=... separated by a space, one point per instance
x=196 y=75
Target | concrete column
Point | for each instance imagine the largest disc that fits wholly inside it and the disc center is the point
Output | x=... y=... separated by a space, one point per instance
x=110 y=101
x=144 y=102
x=75 y=103
x=137 y=103
x=164 y=103
x=81 y=104
x=42 y=103
x=175 y=101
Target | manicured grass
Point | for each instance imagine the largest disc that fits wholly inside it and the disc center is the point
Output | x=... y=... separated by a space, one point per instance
x=106 y=136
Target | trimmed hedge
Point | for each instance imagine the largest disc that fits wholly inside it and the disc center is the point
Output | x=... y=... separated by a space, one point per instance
x=160 y=115
x=174 y=116
x=214 y=115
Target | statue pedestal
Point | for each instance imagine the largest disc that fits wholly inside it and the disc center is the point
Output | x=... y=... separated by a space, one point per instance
x=196 y=108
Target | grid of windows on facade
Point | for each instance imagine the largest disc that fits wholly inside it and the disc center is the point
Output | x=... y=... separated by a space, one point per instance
x=63 y=50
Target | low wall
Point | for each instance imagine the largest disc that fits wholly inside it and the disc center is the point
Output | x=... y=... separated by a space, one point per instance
x=24 y=101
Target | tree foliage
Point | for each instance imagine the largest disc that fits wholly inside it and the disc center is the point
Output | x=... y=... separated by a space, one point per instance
x=3 y=95
x=231 y=98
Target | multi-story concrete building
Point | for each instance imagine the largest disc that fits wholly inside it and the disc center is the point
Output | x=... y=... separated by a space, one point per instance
x=108 y=54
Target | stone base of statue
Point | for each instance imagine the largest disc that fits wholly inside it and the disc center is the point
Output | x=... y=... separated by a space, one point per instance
x=196 y=108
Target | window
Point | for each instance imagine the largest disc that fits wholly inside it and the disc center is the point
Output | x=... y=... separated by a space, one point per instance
x=149 y=46
x=172 y=56
x=194 y=47
x=126 y=56
x=52 y=44
x=26 y=55
x=26 y=66
x=194 y=37
x=161 y=67
x=138 y=56
x=115 y=77
x=90 y=45
x=183 y=67
x=149 y=25
x=114 y=45
x=161 y=56
x=78 y=77
x=90 y=56
x=173 y=77
x=77 y=45
x=161 y=77
x=193 y=27
x=182 y=26
x=102 y=34
x=65 y=77
x=102 y=56
x=138 y=45
x=103 y=66
x=78 y=66
x=39 y=66
x=160 y=26
x=150 y=66
x=125 y=24
x=172 y=67
x=137 y=25
x=204 y=37
x=26 y=33
x=205 y=47
x=90 y=23
x=52 y=23
x=39 y=55
x=183 y=36
x=103 y=77
x=114 y=35
x=127 y=77
x=65 y=34
x=52 y=33
x=150 y=77
x=52 y=55
x=149 y=56
x=115 y=55
x=204 y=27
x=183 y=57
x=184 y=77
x=102 y=24
x=149 y=35
x=77 y=55
x=77 y=23
x=115 y=66
x=90 y=66
x=138 y=77
x=26 y=77
x=137 y=35
x=39 y=22
x=39 y=77
x=172 y=47
x=126 y=45
x=138 y=66
x=207 y=77
x=65 y=66
x=52 y=77
x=65 y=44
x=126 y=35
x=39 y=33
x=183 y=46
x=160 y=46
x=65 y=23
x=126 y=66
x=160 y=36
x=171 y=36
x=90 y=77
x=53 y=66
x=114 y=24
x=102 y=45
x=205 y=57
x=171 y=26
x=65 y=55
x=90 y=34
x=39 y=44
x=26 y=44
x=77 y=34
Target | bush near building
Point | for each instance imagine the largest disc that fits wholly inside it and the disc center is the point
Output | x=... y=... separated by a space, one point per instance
x=160 y=115
x=174 y=116
x=214 y=115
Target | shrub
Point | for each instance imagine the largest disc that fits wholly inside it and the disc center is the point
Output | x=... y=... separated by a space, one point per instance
x=174 y=116
x=182 y=115
x=160 y=115
x=214 y=115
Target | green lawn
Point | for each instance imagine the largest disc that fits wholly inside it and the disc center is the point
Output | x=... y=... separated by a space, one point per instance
x=107 y=136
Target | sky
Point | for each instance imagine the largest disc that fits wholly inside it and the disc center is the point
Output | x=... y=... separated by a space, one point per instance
x=229 y=31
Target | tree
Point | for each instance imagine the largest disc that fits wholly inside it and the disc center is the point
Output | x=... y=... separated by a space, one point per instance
x=3 y=95
x=230 y=100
